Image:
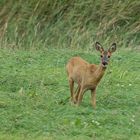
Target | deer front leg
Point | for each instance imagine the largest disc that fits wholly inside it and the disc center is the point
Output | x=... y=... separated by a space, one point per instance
x=93 y=98
x=71 y=83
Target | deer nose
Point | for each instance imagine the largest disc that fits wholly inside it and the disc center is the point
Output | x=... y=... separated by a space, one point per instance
x=104 y=63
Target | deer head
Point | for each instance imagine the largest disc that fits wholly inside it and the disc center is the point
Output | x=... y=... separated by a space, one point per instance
x=105 y=54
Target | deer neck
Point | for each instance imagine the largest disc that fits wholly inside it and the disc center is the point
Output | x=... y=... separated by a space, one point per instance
x=98 y=74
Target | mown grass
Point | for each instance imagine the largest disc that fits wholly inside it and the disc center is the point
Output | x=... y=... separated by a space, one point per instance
x=34 y=95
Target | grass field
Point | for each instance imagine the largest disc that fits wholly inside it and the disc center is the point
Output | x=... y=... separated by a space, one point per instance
x=37 y=38
x=34 y=95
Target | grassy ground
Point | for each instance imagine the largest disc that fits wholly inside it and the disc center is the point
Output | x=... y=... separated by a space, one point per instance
x=34 y=97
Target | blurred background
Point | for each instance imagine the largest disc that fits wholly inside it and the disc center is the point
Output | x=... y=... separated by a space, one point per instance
x=69 y=23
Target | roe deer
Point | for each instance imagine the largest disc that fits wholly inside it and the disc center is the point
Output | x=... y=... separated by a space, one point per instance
x=86 y=75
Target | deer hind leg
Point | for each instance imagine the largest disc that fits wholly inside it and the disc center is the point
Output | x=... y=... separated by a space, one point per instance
x=76 y=94
x=80 y=95
x=71 y=84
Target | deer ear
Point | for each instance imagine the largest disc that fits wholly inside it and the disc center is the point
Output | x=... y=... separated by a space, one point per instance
x=112 y=48
x=99 y=47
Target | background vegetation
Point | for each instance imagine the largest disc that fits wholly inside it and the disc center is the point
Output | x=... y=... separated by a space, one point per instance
x=69 y=23
x=37 y=38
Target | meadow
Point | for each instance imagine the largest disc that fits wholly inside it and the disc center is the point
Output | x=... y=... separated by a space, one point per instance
x=34 y=97
x=37 y=38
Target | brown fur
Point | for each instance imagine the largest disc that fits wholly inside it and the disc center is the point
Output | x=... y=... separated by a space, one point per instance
x=86 y=75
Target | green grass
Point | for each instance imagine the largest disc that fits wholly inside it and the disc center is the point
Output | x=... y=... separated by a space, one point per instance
x=34 y=95
x=64 y=23
x=35 y=41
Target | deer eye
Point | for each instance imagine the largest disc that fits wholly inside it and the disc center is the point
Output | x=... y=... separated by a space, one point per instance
x=109 y=56
x=101 y=55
